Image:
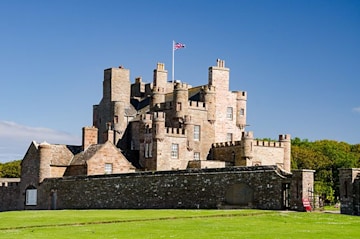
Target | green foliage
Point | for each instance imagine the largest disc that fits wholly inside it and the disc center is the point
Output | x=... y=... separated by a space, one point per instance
x=11 y=169
x=176 y=224
x=326 y=157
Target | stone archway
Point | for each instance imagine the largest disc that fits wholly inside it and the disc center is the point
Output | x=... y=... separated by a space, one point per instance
x=240 y=194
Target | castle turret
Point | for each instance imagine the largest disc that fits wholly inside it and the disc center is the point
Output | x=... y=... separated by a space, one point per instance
x=247 y=152
x=45 y=155
x=286 y=141
x=159 y=86
x=181 y=100
x=241 y=98
x=158 y=126
x=210 y=103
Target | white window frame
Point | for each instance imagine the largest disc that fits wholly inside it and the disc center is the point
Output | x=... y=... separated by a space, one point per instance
x=108 y=168
x=31 y=197
x=197 y=132
x=229 y=113
x=196 y=155
x=174 y=151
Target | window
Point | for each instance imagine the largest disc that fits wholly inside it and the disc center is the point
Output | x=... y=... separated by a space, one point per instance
x=148 y=150
x=31 y=197
x=242 y=112
x=174 y=151
x=108 y=168
x=178 y=106
x=197 y=132
x=229 y=113
x=229 y=137
x=196 y=156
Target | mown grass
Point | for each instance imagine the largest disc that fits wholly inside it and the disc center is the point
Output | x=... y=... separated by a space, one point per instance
x=176 y=224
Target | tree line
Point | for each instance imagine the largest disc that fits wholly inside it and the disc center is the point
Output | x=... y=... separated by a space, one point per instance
x=323 y=156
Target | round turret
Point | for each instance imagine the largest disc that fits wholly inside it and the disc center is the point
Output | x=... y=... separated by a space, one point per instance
x=285 y=139
x=158 y=127
x=181 y=99
x=44 y=161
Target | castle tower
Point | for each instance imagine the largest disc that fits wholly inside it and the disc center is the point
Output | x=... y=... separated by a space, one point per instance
x=286 y=141
x=159 y=86
x=116 y=98
x=45 y=155
x=219 y=77
x=247 y=152
x=116 y=85
x=210 y=102
x=241 y=98
x=158 y=132
x=181 y=100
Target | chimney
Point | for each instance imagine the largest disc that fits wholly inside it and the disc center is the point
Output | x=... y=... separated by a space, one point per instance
x=89 y=137
x=109 y=133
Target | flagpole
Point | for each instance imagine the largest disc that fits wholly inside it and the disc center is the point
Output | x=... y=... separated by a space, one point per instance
x=172 y=71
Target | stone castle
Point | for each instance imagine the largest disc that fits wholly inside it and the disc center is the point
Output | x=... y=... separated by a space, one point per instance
x=156 y=132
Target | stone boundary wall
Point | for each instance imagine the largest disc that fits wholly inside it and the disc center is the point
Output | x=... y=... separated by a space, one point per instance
x=9 y=194
x=195 y=188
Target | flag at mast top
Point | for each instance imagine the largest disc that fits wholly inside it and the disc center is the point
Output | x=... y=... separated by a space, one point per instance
x=178 y=45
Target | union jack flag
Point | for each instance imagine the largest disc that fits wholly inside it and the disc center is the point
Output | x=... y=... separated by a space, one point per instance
x=178 y=45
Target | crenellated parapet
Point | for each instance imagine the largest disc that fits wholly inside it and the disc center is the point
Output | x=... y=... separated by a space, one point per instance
x=181 y=86
x=172 y=131
x=226 y=144
x=158 y=116
x=197 y=105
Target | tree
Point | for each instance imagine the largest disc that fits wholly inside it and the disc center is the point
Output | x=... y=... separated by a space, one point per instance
x=11 y=169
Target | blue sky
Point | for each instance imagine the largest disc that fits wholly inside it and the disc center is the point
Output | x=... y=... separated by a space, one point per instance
x=299 y=61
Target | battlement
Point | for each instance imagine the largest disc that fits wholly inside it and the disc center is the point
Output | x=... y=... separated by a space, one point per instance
x=181 y=86
x=241 y=95
x=268 y=144
x=226 y=144
x=160 y=66
x=175 y=131
x=159 y=115
x=197 y=104
x=285 y=137
x=146 y=117
x=248 y=135
x=208 y=89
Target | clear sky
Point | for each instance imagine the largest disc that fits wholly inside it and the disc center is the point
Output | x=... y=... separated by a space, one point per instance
x=299 y=61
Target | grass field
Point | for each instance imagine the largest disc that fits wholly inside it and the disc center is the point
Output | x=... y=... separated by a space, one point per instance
x=176 y=224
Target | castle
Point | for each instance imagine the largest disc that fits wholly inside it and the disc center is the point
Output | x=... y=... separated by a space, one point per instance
x=171 y=125
x=165 y=128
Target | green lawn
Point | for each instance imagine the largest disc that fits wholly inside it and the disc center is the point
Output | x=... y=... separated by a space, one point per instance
x=176 y=224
